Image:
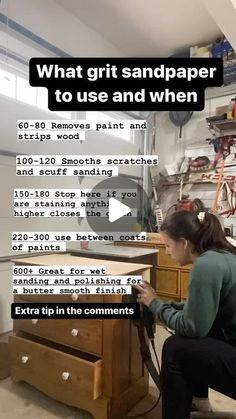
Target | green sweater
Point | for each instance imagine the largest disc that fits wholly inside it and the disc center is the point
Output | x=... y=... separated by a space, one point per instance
x=211 y=299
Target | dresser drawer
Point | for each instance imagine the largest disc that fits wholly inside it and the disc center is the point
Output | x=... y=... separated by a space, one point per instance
x=135 y=243
x=63 y=376
x=72 y=298
x=168 y=282
x=166 y=260
x=82 y=334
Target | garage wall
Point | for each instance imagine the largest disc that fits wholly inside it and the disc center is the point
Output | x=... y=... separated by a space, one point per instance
x=170 y=149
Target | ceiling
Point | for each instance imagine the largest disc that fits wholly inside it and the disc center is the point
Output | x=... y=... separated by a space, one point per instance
x=147 y=28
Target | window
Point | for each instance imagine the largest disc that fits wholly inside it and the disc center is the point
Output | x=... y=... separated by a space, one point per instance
x=17 y=87
x=7 y=83
x=112 y=117
x=42 y=103
x=17 y=47
x=24 y=92
x=42 y=98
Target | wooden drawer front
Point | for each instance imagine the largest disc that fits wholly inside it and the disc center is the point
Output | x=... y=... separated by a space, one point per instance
x=60 y=375
x=168 y=298
x=184 y=278
x=83 y=334
x=165 y=260
x=137 y=244
x=168 y=282
x=60 y=298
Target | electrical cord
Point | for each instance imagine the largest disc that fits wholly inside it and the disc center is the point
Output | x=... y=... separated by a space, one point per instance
x=159 y=397
x=146 y=411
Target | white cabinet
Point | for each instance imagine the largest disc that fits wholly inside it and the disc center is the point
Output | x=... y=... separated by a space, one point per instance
x=6 y=297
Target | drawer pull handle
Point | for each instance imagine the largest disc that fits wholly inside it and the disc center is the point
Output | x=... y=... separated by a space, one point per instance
x=74 y=297
x=35 y=321
x=24 y=359
x=75 y=332
x=65 y=375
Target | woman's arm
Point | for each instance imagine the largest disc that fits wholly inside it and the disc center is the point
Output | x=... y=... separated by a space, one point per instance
x=177 y=305
x=201 y=307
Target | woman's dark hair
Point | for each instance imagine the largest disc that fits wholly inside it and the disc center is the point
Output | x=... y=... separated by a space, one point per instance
x=204 y=233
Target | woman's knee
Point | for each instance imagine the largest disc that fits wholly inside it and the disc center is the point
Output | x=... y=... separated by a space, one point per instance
x=172 y=348
x=173 y=343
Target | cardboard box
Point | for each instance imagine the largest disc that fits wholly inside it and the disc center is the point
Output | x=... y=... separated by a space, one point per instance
x=154 y=237
x=221 y=109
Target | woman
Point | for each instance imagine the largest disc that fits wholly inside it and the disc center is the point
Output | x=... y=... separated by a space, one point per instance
x=202 y=353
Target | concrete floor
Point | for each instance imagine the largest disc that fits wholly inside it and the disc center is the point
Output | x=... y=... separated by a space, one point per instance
x=20 y=400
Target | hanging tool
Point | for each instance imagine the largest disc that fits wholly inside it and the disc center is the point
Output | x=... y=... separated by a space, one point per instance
x=180 y=118
x=155 y=207
x=222 y=146
x=183 y=203
x=216 y=198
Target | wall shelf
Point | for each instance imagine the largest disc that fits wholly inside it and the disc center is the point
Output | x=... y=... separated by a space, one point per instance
x=214 y=92
x=207 y=182
x=223 y=126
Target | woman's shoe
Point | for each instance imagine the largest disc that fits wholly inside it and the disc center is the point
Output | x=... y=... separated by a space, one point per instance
x=201 y=404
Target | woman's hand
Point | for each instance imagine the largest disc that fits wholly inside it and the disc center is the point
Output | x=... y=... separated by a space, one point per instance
x=146 y=294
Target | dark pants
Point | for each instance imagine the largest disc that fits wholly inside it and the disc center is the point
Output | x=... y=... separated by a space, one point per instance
x=189 y=367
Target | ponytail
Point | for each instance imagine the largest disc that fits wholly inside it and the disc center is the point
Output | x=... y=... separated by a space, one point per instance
x=211 y=235
x=204 y=231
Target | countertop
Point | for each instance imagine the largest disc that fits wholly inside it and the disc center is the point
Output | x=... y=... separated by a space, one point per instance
x=18 y=255
x=112 y=250
x=112 y=268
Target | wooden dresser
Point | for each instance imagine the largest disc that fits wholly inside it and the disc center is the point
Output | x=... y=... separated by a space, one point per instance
x=141 y=255
x=171 y=280
x=91 y=364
